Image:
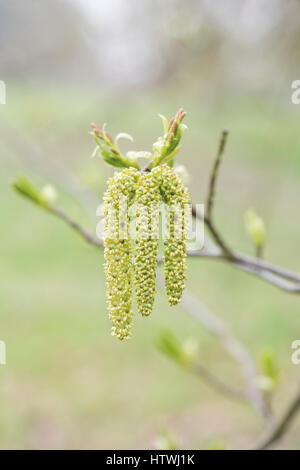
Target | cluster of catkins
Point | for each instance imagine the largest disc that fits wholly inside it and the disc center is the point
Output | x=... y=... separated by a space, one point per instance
x=131 y=261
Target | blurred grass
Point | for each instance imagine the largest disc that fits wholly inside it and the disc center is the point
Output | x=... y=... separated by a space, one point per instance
x=67 y=382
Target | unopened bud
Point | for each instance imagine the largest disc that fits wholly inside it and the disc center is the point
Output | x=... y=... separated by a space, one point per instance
x=255 y=227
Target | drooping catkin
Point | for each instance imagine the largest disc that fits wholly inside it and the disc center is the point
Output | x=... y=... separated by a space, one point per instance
x=118 y=251
x=176 y=197
x=146 y=243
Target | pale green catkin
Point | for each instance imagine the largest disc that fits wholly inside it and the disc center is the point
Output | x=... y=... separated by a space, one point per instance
x=176 y=196
x=146 y=244
x=147 y=191
x=118 y=252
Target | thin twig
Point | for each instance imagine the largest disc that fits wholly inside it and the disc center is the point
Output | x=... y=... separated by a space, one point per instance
x=279 y=277
x=208 y=218
x=214 y=174
x=218 y=328
x=86 y=235
x=218 y=384
x=277 y=430
x=259 y=251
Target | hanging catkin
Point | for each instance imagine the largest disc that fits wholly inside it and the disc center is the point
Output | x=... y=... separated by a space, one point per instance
x=176 y=197
x=118 y=251
x=146 y=243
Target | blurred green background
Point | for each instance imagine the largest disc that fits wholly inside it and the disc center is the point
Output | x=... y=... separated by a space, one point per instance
x=67 y=382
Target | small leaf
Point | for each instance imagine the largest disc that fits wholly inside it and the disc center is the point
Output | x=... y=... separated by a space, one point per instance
x=95 y=151
x=269 y=364
x=255 y=227
x=24 y=187
x=182 y=353
x=165 y=122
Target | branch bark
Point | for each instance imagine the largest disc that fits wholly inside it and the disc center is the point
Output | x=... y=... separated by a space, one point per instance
x=208 y=218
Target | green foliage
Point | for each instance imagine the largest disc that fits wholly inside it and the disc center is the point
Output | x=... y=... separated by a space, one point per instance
x=166 y=442
x=184 y=353
x=109 y=149
x=24 y=187
x=167 y=146
x=269 y=365
x=255 y=228
x=164 y=149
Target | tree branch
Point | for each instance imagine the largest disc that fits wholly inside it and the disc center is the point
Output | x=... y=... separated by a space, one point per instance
x=214 y=174
x=218 y=384
x=277 y=276
x=239 y=353
x=208 y=218
x=85 y=234
x=277 y=430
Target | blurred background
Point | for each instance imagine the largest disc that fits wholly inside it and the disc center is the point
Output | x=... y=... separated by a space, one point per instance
x=67 y=383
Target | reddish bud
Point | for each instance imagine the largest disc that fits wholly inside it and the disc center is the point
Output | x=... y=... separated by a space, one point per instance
x=96 y=129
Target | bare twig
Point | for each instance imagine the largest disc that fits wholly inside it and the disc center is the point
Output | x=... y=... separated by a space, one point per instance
x=214 y=174
x=86 y=235
x=259 y=251
x=277 y=430
x=218 y=384
x=279 y=277
x=208 y=218
x=239 y=353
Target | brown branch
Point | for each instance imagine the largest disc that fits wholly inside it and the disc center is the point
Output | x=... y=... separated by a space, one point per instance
x=214 y=174
x=277 y=430
x=279 y=277
x=208 y=218
x=85 y=234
